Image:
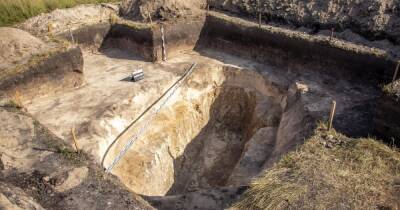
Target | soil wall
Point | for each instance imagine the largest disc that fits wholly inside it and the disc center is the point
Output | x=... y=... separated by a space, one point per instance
x=59 y=71
x=369 y=18
x=387 y=115
x=277 y=46
x=179 y=35
x=88 y=35
x=146 y=39
x=136 y=38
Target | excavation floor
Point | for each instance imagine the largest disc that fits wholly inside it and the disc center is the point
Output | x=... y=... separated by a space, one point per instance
x=203 y=135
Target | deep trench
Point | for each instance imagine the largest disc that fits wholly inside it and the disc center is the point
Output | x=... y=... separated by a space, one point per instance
x=213 y=157
x=206 y=141
x=229 y=123
x=240 y=123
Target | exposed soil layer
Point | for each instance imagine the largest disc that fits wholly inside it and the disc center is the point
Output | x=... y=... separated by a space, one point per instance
x=256 y=94
x=88 y=35
x=374 y=20
x=53 y=71
x=229 y=106
x=371 y=19
x=387 y=114
x=17 y=45
x=65 y=20
x=170 y=9
x=275 y=45
x=269 y=44
x=39 y=171
x=135 y=37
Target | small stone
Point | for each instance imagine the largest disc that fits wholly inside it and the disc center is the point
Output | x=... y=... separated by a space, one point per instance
x=329 y=146
x=329 y=137
x=109 y=203
x=46 y=178
x=48 y=191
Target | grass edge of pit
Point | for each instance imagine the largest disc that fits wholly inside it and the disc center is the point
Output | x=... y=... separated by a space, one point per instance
x=329 y=170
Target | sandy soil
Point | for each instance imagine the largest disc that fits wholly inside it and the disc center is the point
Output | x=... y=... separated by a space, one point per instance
x=369 y=18
x=62 y=20
x=18 y=45
x=368 y=22
x=38 y=171
x=107 y=103
x=142 y=10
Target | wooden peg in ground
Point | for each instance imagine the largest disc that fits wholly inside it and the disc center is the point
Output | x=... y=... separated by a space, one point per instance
x=332 y=115
x=396 y=71
x=149 y=16
x=259 y=13
x=72 y=36
x=332 y=33
x=74 y=139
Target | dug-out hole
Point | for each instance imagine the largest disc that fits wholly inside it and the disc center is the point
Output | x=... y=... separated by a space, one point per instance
x=219 y=131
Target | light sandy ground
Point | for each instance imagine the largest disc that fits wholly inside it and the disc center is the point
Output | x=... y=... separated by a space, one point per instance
x=108 y=103
x=61 y=20
x=18 y=46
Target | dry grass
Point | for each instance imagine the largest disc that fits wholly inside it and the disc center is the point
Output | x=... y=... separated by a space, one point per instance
x=392 y=89
x=17 y=99
x=15 y=11
x=330 y=171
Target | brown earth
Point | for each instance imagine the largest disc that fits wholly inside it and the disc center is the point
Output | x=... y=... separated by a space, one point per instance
x=64 y=20
x=157 y=9
x=231 y=120
x=38 y=170
x=17 y=45
x=368 y=22
x=370 y=18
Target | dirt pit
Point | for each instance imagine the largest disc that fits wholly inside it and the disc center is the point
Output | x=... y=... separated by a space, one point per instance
x=196 y=142
x=245 y=105
x=231 y=119
x=197 y=139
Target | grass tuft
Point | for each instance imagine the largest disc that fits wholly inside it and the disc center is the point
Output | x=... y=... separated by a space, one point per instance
x=16 y=11
x=330 y=171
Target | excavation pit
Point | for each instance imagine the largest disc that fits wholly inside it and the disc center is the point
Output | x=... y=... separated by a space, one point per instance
x=231 y=119
x=254 y=96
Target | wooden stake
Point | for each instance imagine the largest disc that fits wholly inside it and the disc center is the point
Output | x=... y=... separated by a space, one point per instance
x=72 y=36
x=396 y=71
x=74 y=138
x=50 y=28
x=332 y=32
x=332 y=114
x=259 y=14
x=151 y=21
x=164 y=51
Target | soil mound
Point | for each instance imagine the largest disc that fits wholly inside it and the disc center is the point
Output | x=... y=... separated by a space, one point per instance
x=16 y=45
x=160 y=9
x=61 y=20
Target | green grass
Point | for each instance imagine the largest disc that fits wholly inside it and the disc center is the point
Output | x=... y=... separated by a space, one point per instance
x=15 y=11
x=330 y=171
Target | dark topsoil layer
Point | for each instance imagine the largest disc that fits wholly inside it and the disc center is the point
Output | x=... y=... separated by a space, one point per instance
x=50 y=72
